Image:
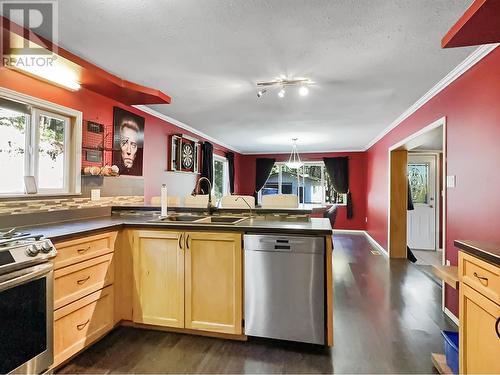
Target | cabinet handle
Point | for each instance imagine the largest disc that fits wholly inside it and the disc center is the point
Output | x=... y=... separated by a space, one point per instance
x=82 y=326
x=82 y=281
x=497 y=325
x=180 y=240
x=83 y=251
x=187 y=242
x=481 y=279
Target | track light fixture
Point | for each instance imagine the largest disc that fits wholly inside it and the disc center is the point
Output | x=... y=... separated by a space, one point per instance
x=282 y=82
x=304 y=90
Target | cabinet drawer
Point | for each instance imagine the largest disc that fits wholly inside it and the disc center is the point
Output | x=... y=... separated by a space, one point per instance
x=78 y=250
x=481 y=276
x=78 y=280
x=80 y=323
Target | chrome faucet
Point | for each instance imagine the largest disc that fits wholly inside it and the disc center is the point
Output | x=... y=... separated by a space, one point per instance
x=248 y=204
x=197 y=187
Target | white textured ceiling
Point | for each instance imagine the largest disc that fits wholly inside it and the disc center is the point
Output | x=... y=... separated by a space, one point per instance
x=370 y=59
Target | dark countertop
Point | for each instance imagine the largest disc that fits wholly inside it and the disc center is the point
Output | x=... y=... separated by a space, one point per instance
x=258 y=210
x=68 y=229
x=488 y=251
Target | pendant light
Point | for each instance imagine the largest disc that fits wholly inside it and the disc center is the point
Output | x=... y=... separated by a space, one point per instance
x=294 y=161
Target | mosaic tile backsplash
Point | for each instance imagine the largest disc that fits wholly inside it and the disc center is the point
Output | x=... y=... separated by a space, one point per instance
x=59 y=204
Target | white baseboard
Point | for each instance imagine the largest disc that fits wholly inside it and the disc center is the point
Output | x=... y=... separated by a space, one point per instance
x=356 y=231
x=376 y=244
x=452 y=316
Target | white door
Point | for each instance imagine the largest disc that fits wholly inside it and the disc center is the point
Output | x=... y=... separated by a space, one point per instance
x=421 y=229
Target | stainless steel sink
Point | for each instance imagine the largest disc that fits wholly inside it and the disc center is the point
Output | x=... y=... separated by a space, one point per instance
x=180 y=218
x=222 y=220
x=199 y=219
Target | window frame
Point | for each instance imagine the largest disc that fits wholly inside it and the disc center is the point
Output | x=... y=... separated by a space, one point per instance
x=72 y=143
x=225 y=174
x=300 y=182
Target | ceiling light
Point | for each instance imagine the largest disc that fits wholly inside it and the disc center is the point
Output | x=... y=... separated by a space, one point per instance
x=57 y=75
x=261 y=92
x=48 y=66
x=303 y=91
x=294 y=161
x=282 y=82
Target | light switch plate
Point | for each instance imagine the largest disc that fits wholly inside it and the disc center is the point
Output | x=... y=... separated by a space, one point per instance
x=450 y=181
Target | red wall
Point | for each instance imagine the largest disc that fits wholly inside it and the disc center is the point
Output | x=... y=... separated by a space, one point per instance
x=98 y=108
x=471 y=105
x=357 y=182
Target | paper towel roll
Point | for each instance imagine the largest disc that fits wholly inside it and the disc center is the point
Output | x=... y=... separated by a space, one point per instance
x=164 y=200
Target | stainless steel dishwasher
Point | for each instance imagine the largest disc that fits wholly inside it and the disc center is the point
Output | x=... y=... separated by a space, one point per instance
x=284 y=287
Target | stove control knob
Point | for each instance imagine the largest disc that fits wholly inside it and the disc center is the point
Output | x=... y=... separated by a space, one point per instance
x=46 y=247
x=31 y=251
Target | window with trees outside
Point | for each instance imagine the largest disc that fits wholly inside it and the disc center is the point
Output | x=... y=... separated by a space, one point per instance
x=221 y=178
x=311 y=183
x=35 y=143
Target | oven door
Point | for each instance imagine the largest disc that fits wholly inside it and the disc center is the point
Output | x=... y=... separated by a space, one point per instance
x=26 y=320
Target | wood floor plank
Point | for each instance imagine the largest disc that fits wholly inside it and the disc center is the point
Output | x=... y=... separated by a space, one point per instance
x=387 y=320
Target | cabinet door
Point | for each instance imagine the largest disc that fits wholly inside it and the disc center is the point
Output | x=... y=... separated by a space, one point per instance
x=479 y=340
x=213 y=282
x=159 y=278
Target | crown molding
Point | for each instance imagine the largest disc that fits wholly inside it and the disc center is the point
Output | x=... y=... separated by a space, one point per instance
x=463 y=67
x=300 y=152
x=184 y=126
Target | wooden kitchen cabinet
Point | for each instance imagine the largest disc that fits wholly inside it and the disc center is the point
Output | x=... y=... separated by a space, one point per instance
x=159 y=278
x=213 y=282
x=479 y=314
x=189 y=280
x=478 y=336
x=83 y=293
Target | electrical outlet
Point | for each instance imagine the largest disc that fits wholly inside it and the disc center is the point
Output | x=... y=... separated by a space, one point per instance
x=448 y=263
x=450 y=181
x=366 y=219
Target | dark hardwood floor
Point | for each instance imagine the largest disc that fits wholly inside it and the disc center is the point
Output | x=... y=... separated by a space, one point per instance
x=387 y=320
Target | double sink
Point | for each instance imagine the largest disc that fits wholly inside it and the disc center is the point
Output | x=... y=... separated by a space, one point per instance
x=201 y=219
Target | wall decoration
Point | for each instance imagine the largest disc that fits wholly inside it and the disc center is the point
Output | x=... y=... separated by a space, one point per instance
x=128 y=142
x=97 y=144
x=184 y=153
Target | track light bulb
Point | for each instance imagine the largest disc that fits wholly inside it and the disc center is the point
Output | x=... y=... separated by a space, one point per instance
x=261 y=92
x=281 y=93
x=303 y=91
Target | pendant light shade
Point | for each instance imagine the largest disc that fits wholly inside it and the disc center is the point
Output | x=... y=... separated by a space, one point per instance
x=294 y=161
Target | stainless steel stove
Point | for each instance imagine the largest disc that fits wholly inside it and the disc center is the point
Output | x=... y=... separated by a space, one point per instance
x=26 y=303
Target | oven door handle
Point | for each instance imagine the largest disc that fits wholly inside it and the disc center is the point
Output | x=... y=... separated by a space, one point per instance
x=23 y=276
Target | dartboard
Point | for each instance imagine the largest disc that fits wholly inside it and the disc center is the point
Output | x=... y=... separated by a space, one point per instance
x=187 y=156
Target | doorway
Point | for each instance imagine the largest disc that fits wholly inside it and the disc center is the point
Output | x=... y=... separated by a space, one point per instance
x=424 y=222
x=417 y=169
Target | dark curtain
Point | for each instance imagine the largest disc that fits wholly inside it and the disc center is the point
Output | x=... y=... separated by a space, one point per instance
x=410 y=200
x=338 y=170
x=230 y=164
x=263 y=167
x=207 y=165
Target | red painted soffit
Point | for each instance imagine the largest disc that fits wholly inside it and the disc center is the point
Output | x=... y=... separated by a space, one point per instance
x=480 y=24
x=91 y=76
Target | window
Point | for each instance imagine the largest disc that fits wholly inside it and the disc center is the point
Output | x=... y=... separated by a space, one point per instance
x=39 y=143
x=221 y=178
x=311 y=183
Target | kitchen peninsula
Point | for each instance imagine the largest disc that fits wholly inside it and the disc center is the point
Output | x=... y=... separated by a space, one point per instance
x=183 y=274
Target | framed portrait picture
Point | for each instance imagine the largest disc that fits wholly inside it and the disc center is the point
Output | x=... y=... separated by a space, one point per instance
x=128 y=141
